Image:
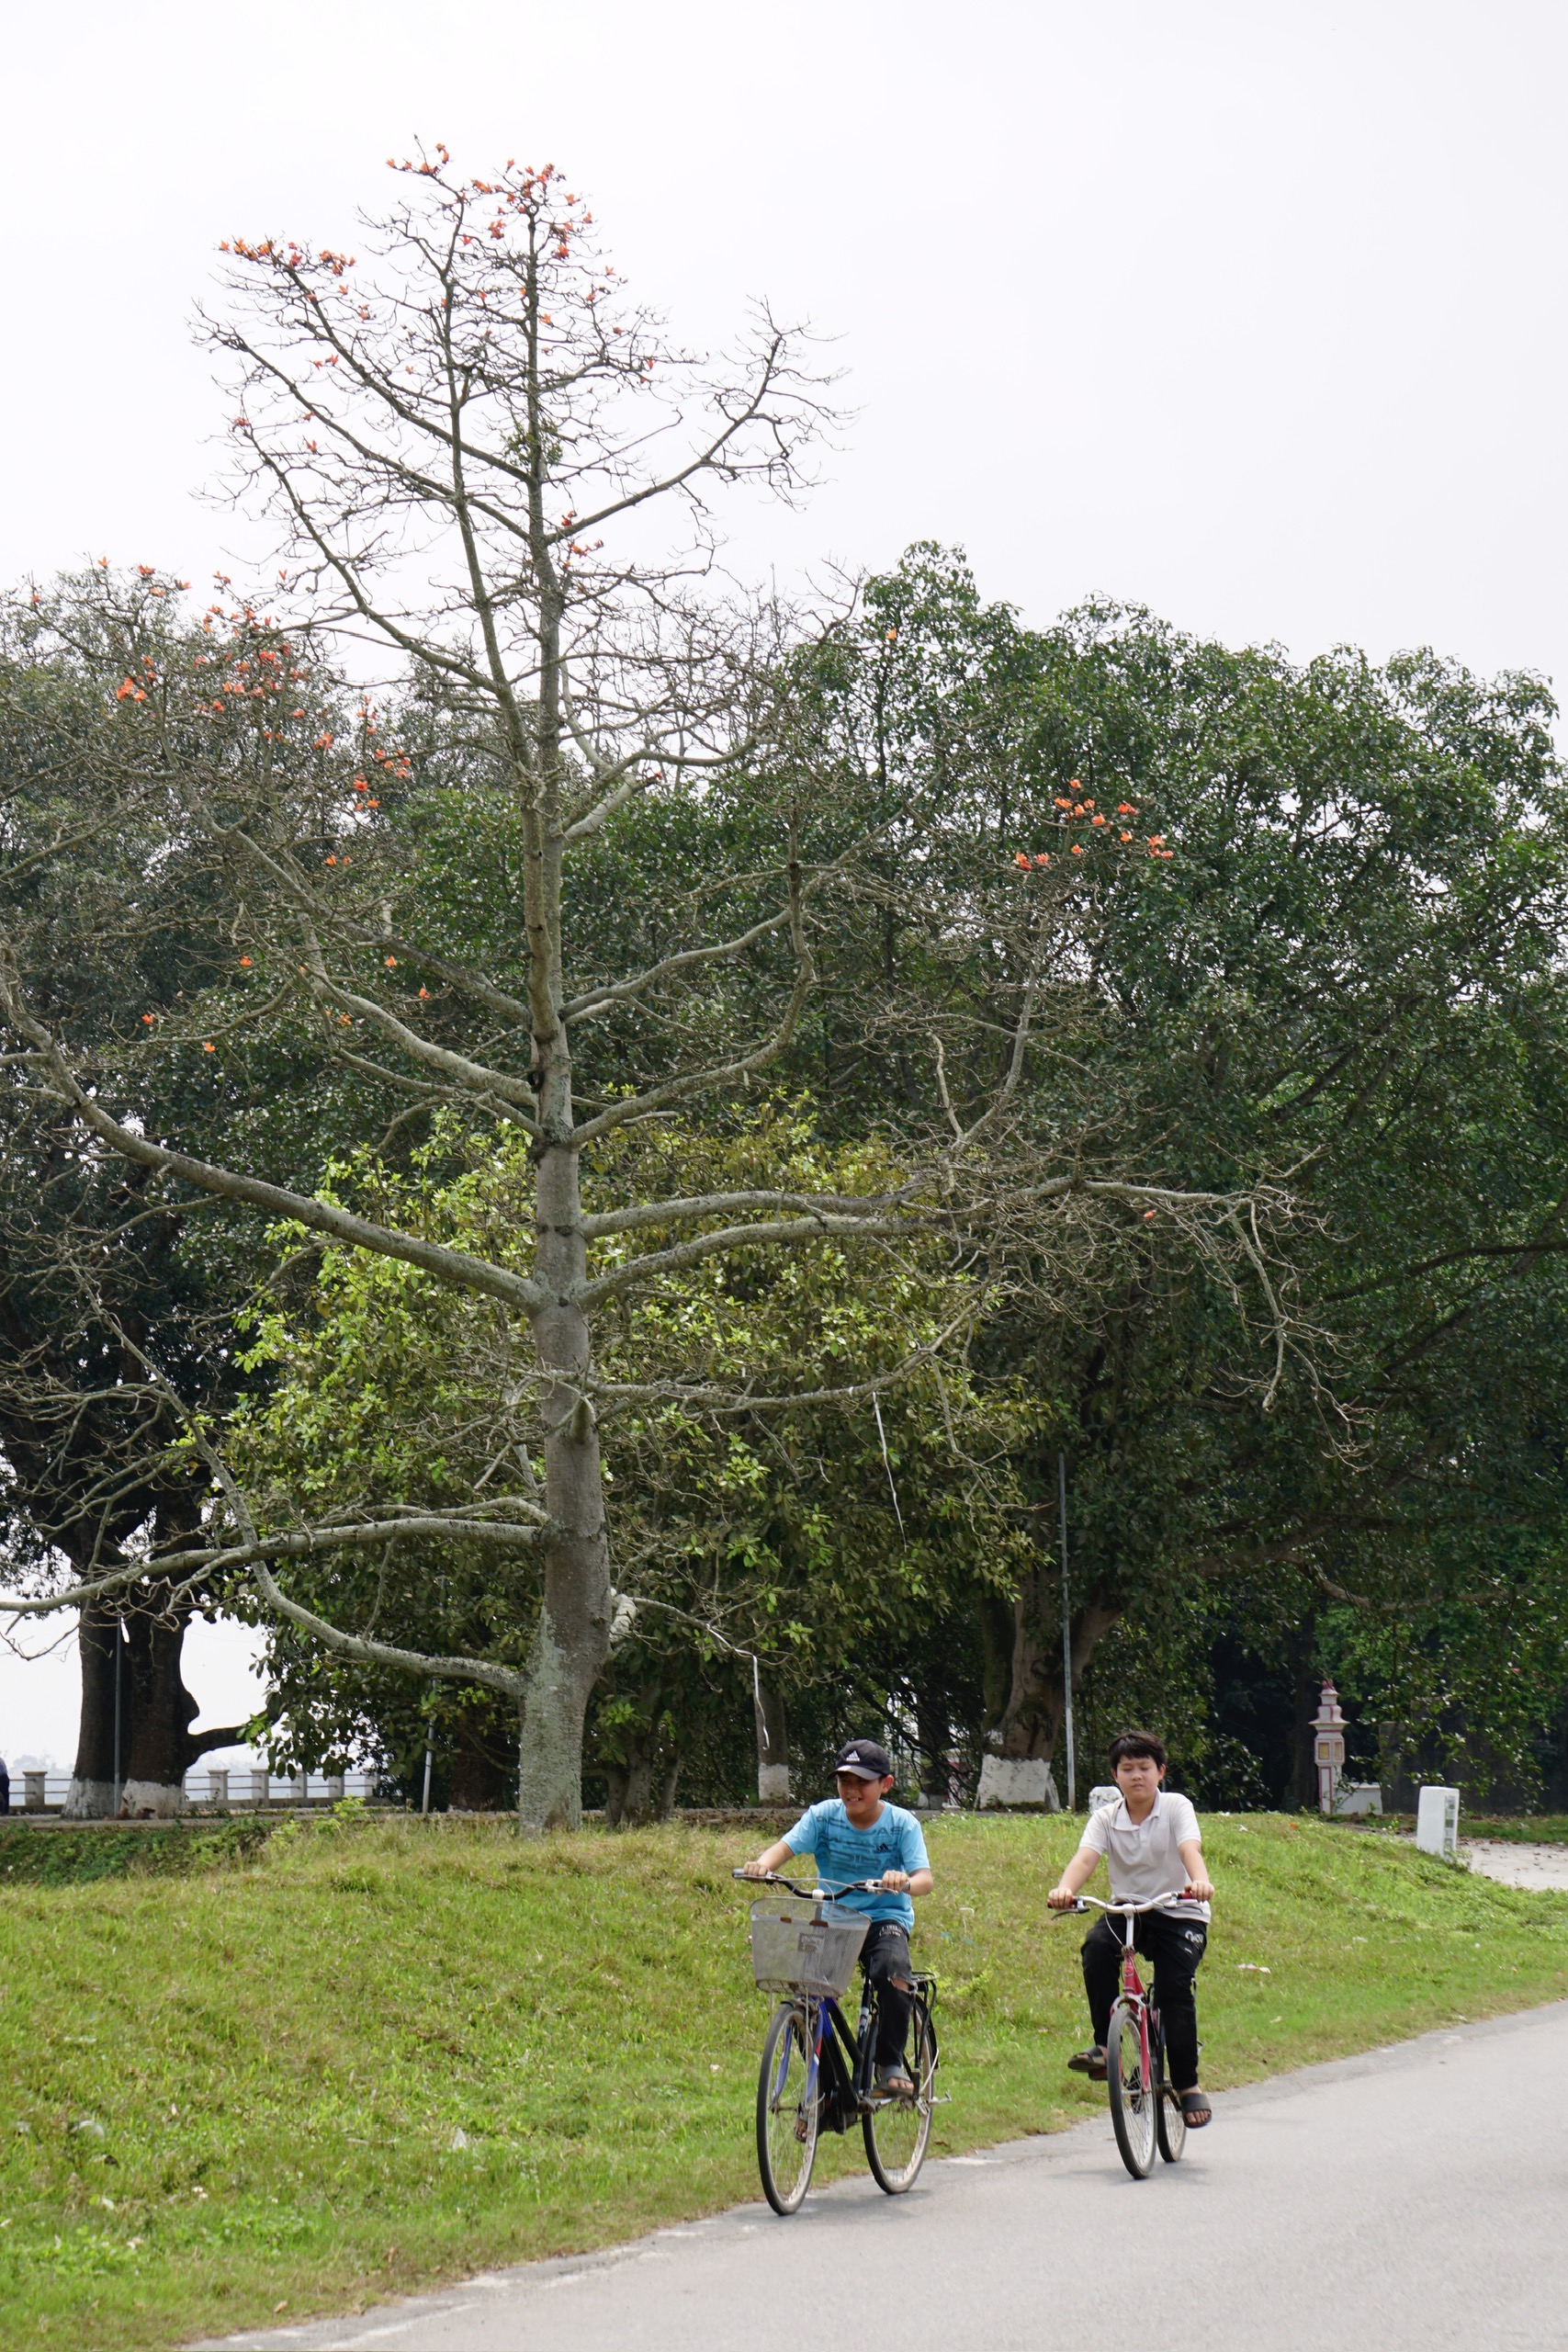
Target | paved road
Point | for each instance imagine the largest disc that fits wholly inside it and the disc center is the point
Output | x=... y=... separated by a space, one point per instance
x=1412 y=2199
x=1532 y=1866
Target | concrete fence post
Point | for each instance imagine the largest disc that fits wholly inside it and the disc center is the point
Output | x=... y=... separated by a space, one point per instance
x=34 y=1785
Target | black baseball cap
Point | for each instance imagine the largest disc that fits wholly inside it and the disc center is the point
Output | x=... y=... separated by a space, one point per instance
x=865 y=1759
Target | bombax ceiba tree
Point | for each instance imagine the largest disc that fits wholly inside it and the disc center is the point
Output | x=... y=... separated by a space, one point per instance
x=475 y=446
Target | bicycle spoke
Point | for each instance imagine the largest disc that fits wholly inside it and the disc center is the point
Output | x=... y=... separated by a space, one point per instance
x=786 y=2111
x=896 y=2130
x=1133 y=2100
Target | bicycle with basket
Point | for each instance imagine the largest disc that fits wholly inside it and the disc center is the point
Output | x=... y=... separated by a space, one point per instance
x=818 y=2073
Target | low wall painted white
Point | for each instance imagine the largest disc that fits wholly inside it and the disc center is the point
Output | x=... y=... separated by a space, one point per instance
x=1017 y=1781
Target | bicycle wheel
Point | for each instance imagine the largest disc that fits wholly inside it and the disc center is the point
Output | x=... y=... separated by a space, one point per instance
x=1171 y=2122
x=1134 y=2103
x=898 y=2129
x=786 y=2118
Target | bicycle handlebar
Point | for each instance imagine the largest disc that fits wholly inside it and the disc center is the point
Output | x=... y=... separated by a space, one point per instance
x=816 y=1893
x=1125 y=1910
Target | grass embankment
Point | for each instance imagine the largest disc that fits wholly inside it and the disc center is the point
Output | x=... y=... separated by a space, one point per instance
x=1516 y=1828
x=376 y=2053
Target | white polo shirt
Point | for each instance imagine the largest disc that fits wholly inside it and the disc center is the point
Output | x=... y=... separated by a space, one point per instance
x=1143 y=1856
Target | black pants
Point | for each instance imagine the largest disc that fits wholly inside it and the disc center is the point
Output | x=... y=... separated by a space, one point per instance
x=885 y=1958
x=1176 y=1946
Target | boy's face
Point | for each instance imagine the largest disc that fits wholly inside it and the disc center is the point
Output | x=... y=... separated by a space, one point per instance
x=1139 y=1776
x=862 y=1799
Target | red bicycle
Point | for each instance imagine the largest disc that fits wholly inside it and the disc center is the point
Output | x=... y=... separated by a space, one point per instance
x=1146 y=2110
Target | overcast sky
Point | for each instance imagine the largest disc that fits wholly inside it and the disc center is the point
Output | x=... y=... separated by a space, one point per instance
x=1253 y=313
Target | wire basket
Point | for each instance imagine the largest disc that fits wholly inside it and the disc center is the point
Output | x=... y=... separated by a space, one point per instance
x=806 y=1947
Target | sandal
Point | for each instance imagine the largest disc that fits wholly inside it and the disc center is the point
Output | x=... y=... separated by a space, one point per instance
x=1196 y=2109
x=1089 y=2062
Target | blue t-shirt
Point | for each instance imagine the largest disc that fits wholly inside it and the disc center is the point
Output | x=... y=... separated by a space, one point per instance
x=893 y=1842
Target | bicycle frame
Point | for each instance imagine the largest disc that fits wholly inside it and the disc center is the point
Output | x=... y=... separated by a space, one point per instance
x=1133 y=1992
x=1132 y=1983
x=824 y=2018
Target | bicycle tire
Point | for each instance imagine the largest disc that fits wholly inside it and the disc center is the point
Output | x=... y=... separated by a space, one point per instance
x=898 y=2132
x=1134 y=2105
x=1170 y=2120
x=787 y=2121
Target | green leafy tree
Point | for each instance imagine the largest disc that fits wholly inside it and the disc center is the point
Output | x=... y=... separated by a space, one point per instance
x=803 y=1469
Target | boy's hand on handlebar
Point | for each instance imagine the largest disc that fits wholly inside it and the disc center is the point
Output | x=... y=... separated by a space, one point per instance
x=1062 y=1898
x=755 y=1870
x=893 y=1881
x=1198 y=1889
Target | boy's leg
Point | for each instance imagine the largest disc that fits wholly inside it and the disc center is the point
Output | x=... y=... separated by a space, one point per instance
x=885 y=1959
x=1176 y=1946
x=1101 y=1977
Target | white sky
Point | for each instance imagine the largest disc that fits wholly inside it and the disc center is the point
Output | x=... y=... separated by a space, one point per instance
x=1252 y=312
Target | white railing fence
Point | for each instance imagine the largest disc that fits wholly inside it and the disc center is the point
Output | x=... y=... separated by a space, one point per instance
x=213 y=1789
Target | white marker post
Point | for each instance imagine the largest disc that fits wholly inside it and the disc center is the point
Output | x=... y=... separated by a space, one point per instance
x=1436 y=1822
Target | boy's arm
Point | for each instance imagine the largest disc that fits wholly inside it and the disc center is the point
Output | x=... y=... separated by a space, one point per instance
x=774 y=1859
x=1075 y=1878
x=1198 y=1885
x=917 y=1880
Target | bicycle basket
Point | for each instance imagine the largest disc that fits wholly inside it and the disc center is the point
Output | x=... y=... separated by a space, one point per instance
x=806 y=1947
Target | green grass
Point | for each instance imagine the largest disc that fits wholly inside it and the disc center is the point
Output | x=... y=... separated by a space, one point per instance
x=379 y=2054
x=1517 y=1828
x=59 y=1857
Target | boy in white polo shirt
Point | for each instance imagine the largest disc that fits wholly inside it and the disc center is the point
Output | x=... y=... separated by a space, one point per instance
x=1150 y=1839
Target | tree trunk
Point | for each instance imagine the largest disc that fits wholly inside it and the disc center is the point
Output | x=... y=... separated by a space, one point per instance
x=573 y=1640
x=161 y=1746
x=772 y=1744
x=933 y=1726
x=162 y=1713
x=1032 y=1722
x=91 y=1797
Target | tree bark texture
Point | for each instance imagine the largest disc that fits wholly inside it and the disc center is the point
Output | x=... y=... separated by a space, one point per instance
x=91 y=1797
x=1032 y=1723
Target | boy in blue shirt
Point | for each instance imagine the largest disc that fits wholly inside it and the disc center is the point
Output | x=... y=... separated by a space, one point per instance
x=858 y=1834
